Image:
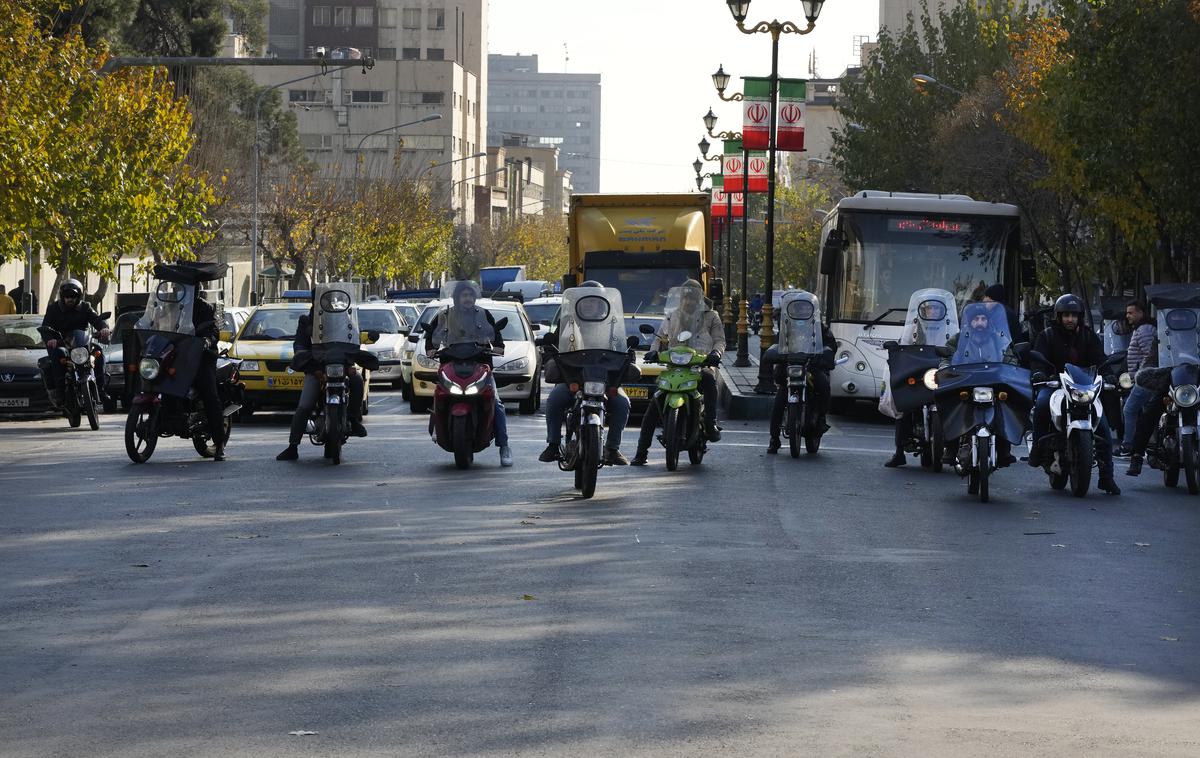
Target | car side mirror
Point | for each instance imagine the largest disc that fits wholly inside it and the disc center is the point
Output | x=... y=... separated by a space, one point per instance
x=632 y=342
x=646 y=329
x=225 y=335
x=414 y=338
x=502 y=323
x=537 y=326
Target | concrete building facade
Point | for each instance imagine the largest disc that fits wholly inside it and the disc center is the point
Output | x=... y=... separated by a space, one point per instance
x=549 y=109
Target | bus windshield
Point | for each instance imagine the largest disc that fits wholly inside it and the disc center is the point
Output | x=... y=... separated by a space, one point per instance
x=890 y=256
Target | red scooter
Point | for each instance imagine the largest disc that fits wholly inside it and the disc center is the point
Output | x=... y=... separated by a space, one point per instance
x=464 y=401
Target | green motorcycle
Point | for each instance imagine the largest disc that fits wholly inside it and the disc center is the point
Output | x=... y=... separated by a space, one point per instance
x=679 y=401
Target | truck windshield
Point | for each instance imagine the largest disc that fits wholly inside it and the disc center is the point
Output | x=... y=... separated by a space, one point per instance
x=888 y=257
x=642 y=290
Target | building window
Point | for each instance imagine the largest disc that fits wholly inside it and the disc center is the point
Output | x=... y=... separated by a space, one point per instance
x=387 y=54
x=435 y=54
x=369 y=142
x=364 y=16
x=437 y=18
x=321 y=15
x=412 y=18
x=410 y=53
x=363 y=96
x=316 y=142
x=342 y=16
x=307 y=96
x=433 y=98
x=387 y=18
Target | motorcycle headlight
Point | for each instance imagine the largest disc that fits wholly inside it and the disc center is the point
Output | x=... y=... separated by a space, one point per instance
x=519 y=364
x=424 y=361
x=1083 y=396
x=249 y=366
x=664 y=384
x=689 y=385
x=983 y=394
x=335 y=371
x=795 y=372
x=681 y=359
x=594 y=388
x=79 y=355
x=1185 y=395
x=454 y=388
x=1126 y=381
x=930 y=379
x=472 y=390
x=148 y=369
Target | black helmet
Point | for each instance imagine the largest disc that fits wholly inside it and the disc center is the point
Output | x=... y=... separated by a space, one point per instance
x=1068 y=304
x=71 y=288
x=592 y=283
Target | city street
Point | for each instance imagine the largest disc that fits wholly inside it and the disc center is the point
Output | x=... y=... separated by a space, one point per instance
x=753 y=605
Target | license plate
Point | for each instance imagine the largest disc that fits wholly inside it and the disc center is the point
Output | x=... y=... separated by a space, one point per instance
x=640 y=393
x=14 y=402
x=285 y=381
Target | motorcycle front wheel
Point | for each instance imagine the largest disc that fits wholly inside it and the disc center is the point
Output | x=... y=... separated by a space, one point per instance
x=672 y=432
x=793 y=425
x=461 y=441
x=89 y=407
x=71 y=408
x=141 y=432
x=1082 y=455
x=589 y=459
x=983 y=450
x=333 y=433
x=1187 y=461
x=939 y=442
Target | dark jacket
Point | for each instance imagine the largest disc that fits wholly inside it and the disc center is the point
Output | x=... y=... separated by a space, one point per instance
x=497 y=339
x=65 y=320
x=1082 y=347
x=204 y=319
x=302 y=351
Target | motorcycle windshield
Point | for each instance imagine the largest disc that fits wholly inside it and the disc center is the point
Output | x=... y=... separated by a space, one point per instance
x=932 y=318
x=1080 y=378
x=684 y=311
x=984 y=336
x=179 y=358
x=907 y=366
x=462 y=322
x=1116 y=336
x=335 y=315
x=1177 y=336
x=800 y=324
x=169 y=309
x=79 y=338
x=591 y=318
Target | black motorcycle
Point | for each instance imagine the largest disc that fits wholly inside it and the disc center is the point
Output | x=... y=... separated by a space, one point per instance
x=329 y=424
x=77 y=352
x=913 y=372
x=802 y=419
x=1174 y=447
x=167 y=405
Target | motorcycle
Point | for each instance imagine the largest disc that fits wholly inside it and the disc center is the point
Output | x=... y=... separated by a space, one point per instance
x=679 y=400
x=913 y=371
x=1175 y=440
x=464 y=400
x=801 y=420
x=1076 y=410
x=77 y=353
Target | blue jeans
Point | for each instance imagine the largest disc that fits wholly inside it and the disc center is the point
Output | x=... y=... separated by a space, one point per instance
x=1139 y=398
x=556 y=411
x=500 y=422
x=1102 y=433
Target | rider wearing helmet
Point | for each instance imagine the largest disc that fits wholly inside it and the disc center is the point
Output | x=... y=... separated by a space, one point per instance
x=1067 y=340
x=71 y=313
x=559 y=400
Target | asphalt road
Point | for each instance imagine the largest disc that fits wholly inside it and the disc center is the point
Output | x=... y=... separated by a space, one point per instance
x=754 y=605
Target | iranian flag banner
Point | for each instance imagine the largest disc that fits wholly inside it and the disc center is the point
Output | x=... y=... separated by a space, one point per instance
x=758 y=171
x=721 y=201
x=734 y=169
x=789 y=133
x=756 y=113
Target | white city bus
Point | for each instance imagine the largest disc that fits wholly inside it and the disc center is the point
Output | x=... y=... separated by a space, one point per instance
x=877 y=248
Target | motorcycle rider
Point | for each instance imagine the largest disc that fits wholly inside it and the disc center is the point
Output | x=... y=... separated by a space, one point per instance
x=1067 y=340
x=464 y=310
x=302 y=343
x=617 y=408
x=692 y=314
x=69 y=314
x=818 y=374
x=204 y=319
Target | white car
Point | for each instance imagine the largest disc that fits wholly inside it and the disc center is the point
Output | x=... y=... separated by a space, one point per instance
x=427 y=312
x=383 y=318
x=542 y=310
x=517 y=372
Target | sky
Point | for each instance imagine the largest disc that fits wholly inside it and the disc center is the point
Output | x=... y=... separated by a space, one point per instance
x=656 y=59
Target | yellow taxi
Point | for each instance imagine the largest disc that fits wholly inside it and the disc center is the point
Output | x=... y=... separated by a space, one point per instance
x=264 y=345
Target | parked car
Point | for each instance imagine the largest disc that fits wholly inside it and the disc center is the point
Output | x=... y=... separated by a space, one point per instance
x=517 y=372
x=384 y=318
x=22 y=390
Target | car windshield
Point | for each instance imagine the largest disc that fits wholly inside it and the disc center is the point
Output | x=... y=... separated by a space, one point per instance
x=20 y=334
x=632 y=329
x=382 y=320
x=228 y=322
x=514 y=330
x=541 y=313
x=272 y=324
x=427 y=316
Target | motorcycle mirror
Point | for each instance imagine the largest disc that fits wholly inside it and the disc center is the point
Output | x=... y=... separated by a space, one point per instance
x=632 y=341
x=106 y=315
x=646 y=329
x=502 y=323
x=413 y=338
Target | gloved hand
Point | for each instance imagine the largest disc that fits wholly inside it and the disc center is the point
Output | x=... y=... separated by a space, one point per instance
x=651 y=356
x=713 y=359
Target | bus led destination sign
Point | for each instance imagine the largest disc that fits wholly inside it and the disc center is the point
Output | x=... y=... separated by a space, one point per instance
x=935 y=225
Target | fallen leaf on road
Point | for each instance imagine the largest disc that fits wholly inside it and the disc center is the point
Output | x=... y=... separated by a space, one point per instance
x=528 y=523
x=302 y=733
x=528 y=597
x=1169 y=639
x=1057 y=545
x=141 y=565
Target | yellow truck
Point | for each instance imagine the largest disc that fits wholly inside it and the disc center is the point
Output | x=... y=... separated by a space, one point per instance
x=642 y=245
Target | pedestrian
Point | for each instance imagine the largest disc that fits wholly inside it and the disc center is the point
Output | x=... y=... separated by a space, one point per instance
x=26 y=301
x=1138 y=356
x=7 y=306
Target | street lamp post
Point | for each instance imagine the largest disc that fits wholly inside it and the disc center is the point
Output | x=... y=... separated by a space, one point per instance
x=361 y=142
x=739 y=9
x=743 y=320
x=923 y=79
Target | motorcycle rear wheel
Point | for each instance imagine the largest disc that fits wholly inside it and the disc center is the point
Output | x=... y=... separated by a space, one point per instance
x=141 y=432
x=671 y=437
x=1082 y=455
x=1187 y=461
x=461 y=441
x=333 y=433
x=589 y=459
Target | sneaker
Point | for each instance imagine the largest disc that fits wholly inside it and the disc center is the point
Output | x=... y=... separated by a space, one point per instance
x=505 y=456
x=614 y=457
x=639 y=459
x=896 y=461
x=1135 y=466
x=773 y=447
x=357 y=429
x=550 y=454
x=713 y=432
x=1122 y=451
x=1109 y=485
x=290 y=454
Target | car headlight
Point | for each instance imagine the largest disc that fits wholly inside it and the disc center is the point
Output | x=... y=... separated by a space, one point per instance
x=1126 y=381
x=930 y=379
x=519 y=364
x=681 y=359
x=1082 y=396
x=79 y=355
x=148 y=369
x=795 y=371
x=335 y=371
x=983 y=394
x=1185 y=395
x=594 y=388
x=249 y=366
x=424 y=361
x=385 y=355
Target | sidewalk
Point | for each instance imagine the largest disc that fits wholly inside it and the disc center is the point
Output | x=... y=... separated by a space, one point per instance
x=738 y=397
